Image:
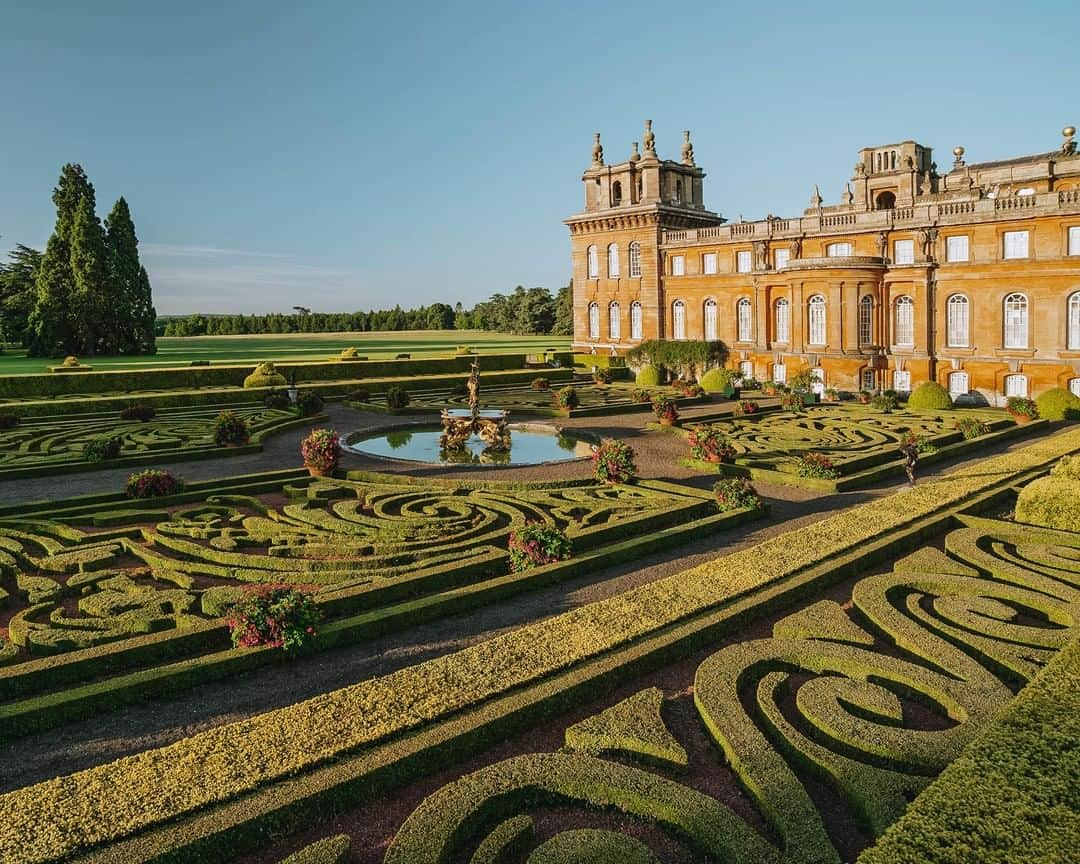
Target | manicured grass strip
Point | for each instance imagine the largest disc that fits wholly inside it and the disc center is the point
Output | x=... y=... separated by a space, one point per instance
x=108 y=802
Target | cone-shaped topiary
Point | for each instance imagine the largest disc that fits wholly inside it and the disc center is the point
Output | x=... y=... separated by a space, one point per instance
x=717 y=381
x=265 y=375
x=930 y=396
x=648 y=376
x=1058 y=404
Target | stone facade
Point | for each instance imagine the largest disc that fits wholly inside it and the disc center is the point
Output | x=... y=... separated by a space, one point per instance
x=970 y=277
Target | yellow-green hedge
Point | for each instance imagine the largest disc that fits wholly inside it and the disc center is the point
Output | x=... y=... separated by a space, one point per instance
x=58 y=817
x=1052 y=502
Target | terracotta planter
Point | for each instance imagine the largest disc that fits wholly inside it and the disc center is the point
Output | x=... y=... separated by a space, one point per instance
x=667 y=421
x=715 y=458
x=1021 y=419
x=318 y=472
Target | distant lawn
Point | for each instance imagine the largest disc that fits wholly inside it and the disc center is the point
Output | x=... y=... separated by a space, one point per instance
x=181 y=350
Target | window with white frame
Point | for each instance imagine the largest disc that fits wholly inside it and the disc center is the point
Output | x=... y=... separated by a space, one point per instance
x=710 y=321
x=839 y=250
x=779 y=373
x=743 y=261
x=635 y=259
x=744 y=315
x=709 y=264
x=1016 y=321
x=1015 y=244
x=866 y=320
x=678 y=265
x=1026 y=192
x=957 y=321
x=746 y=370
x=594 y=320
x=1074 y=386
x=956 y=248
x=905 y=322
x=904 y=252
x=866 y=379
x=1072 y=323
x=817 y=383
x=614 y=326
x=781 y=257
x=635 y=320
x=1074 y=240
x=958 y=384
x=1016 y=385
x=678 y=319
x=613 y=261
x=783 y=321
x=901 y=381
x=816 y=315
x=594 y=262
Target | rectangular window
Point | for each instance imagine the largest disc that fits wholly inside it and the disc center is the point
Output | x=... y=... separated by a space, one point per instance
x=782 y=257
x=904 y=252
x=956 y=248
x=635 y=321
x=678 y=265
x=839 y=250
x=779 y=373
x=709 y=264
x=1074 y=240
x=1015 y=244
x=867 y=379
x=743 y=262
x=901 y=381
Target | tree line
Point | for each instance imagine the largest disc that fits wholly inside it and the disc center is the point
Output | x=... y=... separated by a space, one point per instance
x=87 y=293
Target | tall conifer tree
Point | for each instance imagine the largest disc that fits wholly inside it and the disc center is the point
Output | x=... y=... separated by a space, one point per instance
x=90 y=296
x=125 y=310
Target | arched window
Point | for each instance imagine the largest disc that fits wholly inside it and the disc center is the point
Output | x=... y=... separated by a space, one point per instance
x=866 y=320
x=744 y=314
x=613 y=322
x=613 y=261
x=958 y=384
x=616 y=194
x=594 y=262
x=594 y=320
x=678 y=191
x=783 y=321
x=1016 y=321
x=678 y=319
x=635 y=259
x=1016 y=385
x=1073 y=323
x=817 y=320
x=957 y=322
x=885 y=201
x=635 y=320
x=893 y=161
x=905 y=322
x=710 y=320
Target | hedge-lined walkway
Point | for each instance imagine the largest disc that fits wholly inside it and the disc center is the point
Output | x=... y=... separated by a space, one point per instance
x=156 y=723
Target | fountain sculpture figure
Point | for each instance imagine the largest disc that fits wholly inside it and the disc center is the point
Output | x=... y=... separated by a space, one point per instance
x=458 y=427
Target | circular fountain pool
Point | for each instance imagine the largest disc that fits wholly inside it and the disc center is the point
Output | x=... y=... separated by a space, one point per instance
x=530 y=444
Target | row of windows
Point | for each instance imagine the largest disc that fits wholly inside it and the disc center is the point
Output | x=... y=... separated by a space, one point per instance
x=1015 y=321
x=593 y=254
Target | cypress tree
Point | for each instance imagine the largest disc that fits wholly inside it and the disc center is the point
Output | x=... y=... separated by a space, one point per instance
x=145 y=317
x=124 y=279
x=89 y=297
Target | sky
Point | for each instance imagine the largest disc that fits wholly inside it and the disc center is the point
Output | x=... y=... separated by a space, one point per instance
x=344 y=155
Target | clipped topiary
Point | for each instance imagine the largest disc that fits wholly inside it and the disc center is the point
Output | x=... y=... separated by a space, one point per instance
x=265 y=375
x=1058 y=404
x=1050 y=502
x=329 y=850
x=718 y=381
x=397 y=398
x=308 y=402
x=1067 y=466
x=929 y=396
x=648 y=376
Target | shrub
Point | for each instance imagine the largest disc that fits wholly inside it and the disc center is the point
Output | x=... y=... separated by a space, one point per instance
x=971 y=427
x=805 y=381
x=9 y=421
x=718 y=381
x=710 y=442
x=265 y=375
x=278 y=400
x=567 y=398
x=601 y=375
x=360 y=394
x=735 y=493
x=464 y=351
x=537 y=544
x=397 y=398
x=230 y=429
x=613 y=461
x=640 y=395
x=773 y=388
x=664 y=408
x=793 y=400
x=351 y=353
x=138 y=411
x=929 y=396
x=1018 y=406
x=309 y=402
x=678 y=355
x=329 y=850
x=1067 y=466
x=70 y=362
x=152 y=483
x=832 y=394
x=923 y=445
x=321 y=450
x=100 y=449
x=275 y=615
x=749 y=383
x=1058 y=404
x=865 y=396
x=746 y=406
x=885 y=403
x=540 y=384
x=1050 y=502
x=817 y=465
x=687 y=389
x=648 y=376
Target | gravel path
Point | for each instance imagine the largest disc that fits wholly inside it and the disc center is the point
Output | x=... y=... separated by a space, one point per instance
x=153 y=724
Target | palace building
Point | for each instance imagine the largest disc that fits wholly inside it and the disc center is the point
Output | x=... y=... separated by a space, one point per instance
x=970 y=277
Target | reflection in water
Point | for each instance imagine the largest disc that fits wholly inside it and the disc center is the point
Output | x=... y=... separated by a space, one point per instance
x=398 y=438
x=530 y=445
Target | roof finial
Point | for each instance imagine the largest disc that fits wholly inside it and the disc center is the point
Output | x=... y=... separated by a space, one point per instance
x=597 y=151
x=1068 y=146
x=649 y=139
x=847 y=197
x=634 y=155
x=958 y=153
x=816 y=200
x=687 y=149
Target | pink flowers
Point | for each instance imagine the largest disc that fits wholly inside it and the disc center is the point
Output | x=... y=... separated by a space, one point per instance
x=321 y=450
x=277 y=616
x=536 y=544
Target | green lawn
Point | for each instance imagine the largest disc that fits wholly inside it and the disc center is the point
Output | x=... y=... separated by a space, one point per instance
x=181 y=350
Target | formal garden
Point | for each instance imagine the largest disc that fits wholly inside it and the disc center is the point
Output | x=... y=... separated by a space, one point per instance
x=878 y=683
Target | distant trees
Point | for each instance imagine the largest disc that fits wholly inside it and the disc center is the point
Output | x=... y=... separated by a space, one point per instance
x=90 y=293
x=17 y=292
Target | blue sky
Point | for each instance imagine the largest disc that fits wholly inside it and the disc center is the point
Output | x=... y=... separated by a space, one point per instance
x=347 y=155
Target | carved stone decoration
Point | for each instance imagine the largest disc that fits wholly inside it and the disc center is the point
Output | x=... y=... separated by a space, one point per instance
x=927 y=239
x=761 y=255
x=493 y=431
x=860 y=169
x=883 y=244
x=816 y=201
x=634 y=155
x=847 y=197
x=958 y=153
x=597 y=151
x=687 y=149
x=796 y=248
x=1068 y=146
x=649 y=139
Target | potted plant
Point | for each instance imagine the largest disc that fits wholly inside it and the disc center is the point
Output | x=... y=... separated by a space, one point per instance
x=278 y=616
x=735 y=493
x=566 y=398
x=665 y=409
x=817 y=465
x=321 y=451
x=865 y=396
x=745 y=407
x=710 y=444
x=613 y=461
x=153 y=483
x=832 y=394
x=601 y=375
x=1021 y=410
x=535 y=545
x=230 y=430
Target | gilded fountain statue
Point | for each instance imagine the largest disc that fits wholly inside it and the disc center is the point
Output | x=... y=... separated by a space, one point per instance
x=459 y=426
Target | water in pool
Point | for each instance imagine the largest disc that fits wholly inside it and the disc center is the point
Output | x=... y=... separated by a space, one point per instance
x=529 y=445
